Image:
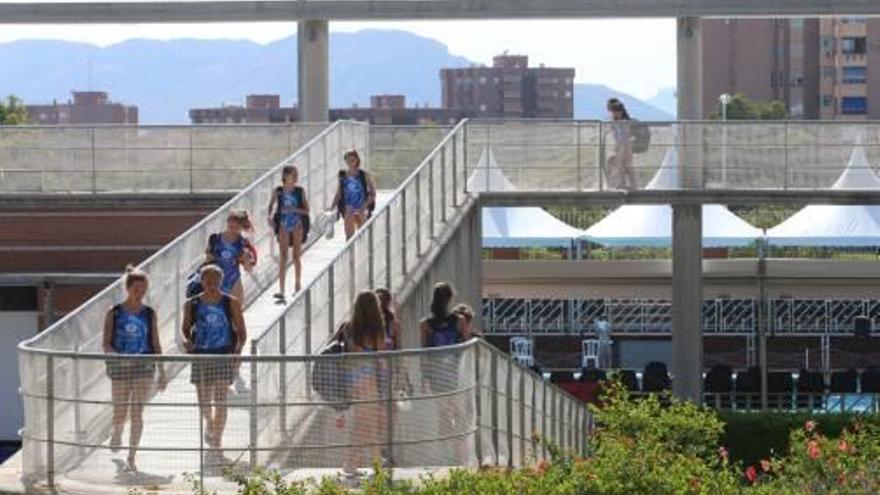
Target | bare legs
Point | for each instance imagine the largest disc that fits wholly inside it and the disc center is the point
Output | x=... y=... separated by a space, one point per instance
x=212 y=403
x=353 y=221
x=284 y=241
x=129 y=397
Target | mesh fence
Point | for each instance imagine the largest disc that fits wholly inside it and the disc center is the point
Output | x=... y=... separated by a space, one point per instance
x=305 y=416
x=583 y=156
x=83 y=159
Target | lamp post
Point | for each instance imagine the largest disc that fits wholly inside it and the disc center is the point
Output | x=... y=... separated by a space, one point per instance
x=724 y=99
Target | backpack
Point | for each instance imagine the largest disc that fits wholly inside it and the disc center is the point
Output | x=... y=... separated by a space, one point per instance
x=227 y=308
x=371 y=201
x=329 y=375
x=276 y=218
x=641 y=136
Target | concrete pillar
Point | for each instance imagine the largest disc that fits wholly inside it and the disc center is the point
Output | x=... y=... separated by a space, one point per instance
x=687 y=272
x=689 y=97
x=313 y=70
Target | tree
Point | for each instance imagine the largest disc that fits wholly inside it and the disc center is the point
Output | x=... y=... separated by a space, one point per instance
x=12 y=111
x=741 y=107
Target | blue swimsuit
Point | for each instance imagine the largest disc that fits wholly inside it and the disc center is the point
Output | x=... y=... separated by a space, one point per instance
x=288 y=202
x=213 y=332
x=131 y=331
x=355 y=196
x=226 y=255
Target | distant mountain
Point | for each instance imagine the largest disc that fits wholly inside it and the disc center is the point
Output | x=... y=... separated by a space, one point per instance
x=167 y=78
x=665 y=100
x=590 y=100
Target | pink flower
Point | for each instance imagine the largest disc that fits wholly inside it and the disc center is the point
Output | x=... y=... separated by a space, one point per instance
x=810 y=425
x=722 y=453
x=842 y=445
x=765 y=465
x=542 y=466
x=751 y=474
x=813 y=449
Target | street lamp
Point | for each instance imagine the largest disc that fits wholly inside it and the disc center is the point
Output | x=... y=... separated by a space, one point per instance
x=724 y=99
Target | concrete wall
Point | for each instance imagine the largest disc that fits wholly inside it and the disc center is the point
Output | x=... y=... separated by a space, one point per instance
x=15 y=326
x=454 y=258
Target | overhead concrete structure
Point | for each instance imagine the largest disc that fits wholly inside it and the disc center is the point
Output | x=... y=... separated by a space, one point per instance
x=313 y=70
x=297 y=10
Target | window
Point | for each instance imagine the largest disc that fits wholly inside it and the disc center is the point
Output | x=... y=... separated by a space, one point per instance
x=827 y=101
x=829 y=71
x=854 y=105
x=828 y=42
x=854 y=20
x=855 y=75
x=854 y=46
x=796 y=23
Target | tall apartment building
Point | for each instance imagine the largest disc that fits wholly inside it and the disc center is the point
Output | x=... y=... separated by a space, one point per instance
x=511 y=89
x=87 y=107
x=820 y=68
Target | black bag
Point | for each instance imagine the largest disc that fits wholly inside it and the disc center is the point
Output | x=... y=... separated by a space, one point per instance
x=641 y=136
x=276 y=217
x=329 y=375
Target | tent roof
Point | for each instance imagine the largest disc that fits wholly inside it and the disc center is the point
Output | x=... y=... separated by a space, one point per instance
x=835 y=225
x=651 y=225
x=516 y=226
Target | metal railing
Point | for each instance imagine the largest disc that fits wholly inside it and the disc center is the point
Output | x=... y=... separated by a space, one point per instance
x=143 y=158
x=570 y=155
x=654 y=316
x=462 y=405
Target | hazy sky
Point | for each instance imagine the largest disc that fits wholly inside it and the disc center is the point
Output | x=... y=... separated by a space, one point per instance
x=634 y=56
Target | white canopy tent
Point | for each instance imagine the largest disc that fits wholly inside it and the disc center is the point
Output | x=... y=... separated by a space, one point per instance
x=835 y=225
x=515 y=227
x=651 y=225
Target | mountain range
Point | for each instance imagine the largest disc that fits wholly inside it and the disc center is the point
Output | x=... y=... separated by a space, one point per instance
x=167 y=78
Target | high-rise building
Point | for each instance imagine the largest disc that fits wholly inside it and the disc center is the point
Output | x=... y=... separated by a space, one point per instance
x=87 y=107
x=511 y=89
x=820 y=68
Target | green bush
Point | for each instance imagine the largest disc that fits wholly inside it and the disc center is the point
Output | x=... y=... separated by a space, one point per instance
x=752 y=436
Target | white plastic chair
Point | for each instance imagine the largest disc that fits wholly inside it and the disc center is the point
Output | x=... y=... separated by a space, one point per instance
x=521 y=350
x=590 y=353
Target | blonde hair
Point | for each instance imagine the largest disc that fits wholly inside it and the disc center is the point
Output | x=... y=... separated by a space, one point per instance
x=242 y=218
x=134 y=274
x=211 y=268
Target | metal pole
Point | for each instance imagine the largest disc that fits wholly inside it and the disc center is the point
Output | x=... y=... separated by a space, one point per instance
x=389 y=412
x=478 y=406
x=762 y=322
x=331 y=313
x=724 y=142
x=493 y=386
x=533 y=430
x=600 y=150
x=371 y=259
x=509 y=404
x=388 y=274
x=418 y=219
x=191 y=160
x=431 y=205
x=577 y=151
x=48 y=303
x=282 y=373
x=253 y=409
x=523 y=433
x=543 y=419
x=94 y=179
x=201 y=448
x=442 y=186
x=403 y=269
x=454 y=172
x=464 y=154
x=308 y=340
x=50 y=421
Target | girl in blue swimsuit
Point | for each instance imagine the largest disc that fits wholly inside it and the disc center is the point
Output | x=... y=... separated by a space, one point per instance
x=356 y=194
x=130 y=329
x=287 y=208
x=365 y=333
x=229 y=249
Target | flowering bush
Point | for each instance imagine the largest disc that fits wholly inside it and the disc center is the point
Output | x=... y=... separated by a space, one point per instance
x=648 y=446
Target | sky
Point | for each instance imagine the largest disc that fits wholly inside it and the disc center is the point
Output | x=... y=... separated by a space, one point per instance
x=636 y=56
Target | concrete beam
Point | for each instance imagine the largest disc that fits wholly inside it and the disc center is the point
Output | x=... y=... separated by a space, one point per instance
x=297 y=10
x=709 y=196
x=687 y=298
x=313 y=74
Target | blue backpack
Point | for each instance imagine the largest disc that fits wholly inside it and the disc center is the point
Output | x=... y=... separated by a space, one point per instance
x=194 y=281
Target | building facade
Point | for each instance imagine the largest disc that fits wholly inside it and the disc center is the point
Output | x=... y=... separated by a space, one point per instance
x=383 y=109
x=820 y=68
x=87 y=107
x=510 y=89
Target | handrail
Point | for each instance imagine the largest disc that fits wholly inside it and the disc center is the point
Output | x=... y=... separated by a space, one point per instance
x=212 y=217
x=362 y=231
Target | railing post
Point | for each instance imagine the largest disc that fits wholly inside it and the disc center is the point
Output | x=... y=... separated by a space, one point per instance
x=464 y=155
x=431 y=205
x=50 y=421
x=478 y=407
x=308 y=340
x=178 y=300
x=454 y=173
x=201 y=448
x=352 y=272
x=600 y=158
x=544 y=435
x=389 y=276
x=533 y=431
x=443 y=184
x=577 y=151
x=331 y=313
x=371 y=257
x=493 y=385
x=509 y=403
x=94 y=179
x=403 y=230
x=523 y=432
x=253 y=408
x=418 y=219
x=389 y=415
x=282 y=373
